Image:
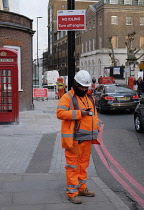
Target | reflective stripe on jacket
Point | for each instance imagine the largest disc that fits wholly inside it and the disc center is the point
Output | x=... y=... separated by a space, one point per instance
x=86 y=127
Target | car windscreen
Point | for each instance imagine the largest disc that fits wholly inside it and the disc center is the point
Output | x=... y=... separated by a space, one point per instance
x=118 y=89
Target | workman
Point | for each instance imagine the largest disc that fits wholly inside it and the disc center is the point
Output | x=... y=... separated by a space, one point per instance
x=79 y=130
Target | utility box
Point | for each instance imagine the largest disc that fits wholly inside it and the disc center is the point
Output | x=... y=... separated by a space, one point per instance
x=9 y=103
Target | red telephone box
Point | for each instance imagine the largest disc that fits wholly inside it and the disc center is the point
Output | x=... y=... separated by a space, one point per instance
x=9 y=106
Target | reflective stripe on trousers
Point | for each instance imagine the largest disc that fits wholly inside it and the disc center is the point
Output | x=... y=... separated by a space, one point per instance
x=77 y=163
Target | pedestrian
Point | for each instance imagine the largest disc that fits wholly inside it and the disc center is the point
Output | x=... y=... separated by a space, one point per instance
x=142 y=87
x=99 y=79
x=138 y=82
x=79 y=130
x=135 y=84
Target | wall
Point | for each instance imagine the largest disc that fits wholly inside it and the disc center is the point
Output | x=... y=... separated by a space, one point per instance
x=16 y=32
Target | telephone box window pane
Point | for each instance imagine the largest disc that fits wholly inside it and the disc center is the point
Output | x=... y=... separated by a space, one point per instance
x=10 y=101
x=9 y=79
x=7 y=101
x=9 y=73
x=9 y=87
x=5 y=90
x=10 y=108
x=9 y=94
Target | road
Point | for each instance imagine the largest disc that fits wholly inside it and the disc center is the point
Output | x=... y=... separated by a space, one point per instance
x=119 y=161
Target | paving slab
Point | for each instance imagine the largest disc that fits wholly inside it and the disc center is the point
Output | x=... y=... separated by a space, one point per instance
x=32 y=173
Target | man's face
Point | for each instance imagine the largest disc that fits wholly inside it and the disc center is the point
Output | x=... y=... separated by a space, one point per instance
x=82 y=88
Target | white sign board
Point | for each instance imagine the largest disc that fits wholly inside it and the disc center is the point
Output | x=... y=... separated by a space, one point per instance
x=71 y=20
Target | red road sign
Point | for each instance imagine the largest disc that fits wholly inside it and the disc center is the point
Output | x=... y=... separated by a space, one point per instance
x=71 y=20
x=40 y=92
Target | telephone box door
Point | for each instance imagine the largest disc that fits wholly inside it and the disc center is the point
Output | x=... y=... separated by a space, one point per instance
x=8 y=95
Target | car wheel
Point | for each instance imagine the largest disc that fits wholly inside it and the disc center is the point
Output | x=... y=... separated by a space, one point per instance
x=100 y=109
x=137 y=123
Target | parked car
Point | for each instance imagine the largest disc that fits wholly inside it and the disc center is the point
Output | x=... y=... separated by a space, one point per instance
x=115 y=97
x=139 y=117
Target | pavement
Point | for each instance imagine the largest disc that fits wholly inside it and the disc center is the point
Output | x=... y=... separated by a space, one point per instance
x=32 y=173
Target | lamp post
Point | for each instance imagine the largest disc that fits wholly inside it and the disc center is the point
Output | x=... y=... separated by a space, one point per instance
x=71 y=49
x=37 y=51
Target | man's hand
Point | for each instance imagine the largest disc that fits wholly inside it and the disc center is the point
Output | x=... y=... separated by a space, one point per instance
x=84 y=112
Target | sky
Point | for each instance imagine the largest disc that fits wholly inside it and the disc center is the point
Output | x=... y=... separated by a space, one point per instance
x=33 y=9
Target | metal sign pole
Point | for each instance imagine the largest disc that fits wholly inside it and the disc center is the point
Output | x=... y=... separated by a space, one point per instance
x=71 y=49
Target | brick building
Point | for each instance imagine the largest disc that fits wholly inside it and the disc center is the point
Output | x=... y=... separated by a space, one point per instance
x=57 y=40
x=16 y=33
x=4 y=5
x=109 y=23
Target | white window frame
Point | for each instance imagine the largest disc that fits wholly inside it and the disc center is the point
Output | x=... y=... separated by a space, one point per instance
x=114 y=20
x=141 y=21
x=113 y=1
x=129 y=21
x=18 y=49
x=140 y=3
x=127 y=2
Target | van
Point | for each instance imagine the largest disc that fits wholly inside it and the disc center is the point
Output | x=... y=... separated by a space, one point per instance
x=50 y=77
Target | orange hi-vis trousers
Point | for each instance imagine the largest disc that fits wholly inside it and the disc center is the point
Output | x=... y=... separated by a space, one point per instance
x=77 y=161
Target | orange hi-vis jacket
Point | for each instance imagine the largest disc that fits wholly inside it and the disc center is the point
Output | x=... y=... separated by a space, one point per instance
x=74 y=126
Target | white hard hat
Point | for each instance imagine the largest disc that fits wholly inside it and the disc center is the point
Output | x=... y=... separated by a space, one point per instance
x=83 y=78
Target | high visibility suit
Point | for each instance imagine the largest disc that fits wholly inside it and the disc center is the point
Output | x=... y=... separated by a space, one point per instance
x=77 y=134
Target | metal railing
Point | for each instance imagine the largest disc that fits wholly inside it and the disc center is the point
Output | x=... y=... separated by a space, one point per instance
x=120 y=2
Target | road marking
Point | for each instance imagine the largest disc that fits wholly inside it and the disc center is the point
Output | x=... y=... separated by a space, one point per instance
x=121 y=170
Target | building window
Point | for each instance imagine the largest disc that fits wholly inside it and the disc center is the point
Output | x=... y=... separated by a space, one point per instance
x=127 y=1
x=128 y=20
x=86 y=28
x=114 y=41
x=93 y=23
x=141 y=2
x=86 y=47
x=92 y=67
x=141 y=21
x=89 y=45
x=100 y=21
x=82 y=47
x=85 y=65
x=5 y=4
x=113 y=1
x=93 y=44
x=18 y=49
x=89 y=25
x=142 y=42
x=100 y=42
x=114 y=20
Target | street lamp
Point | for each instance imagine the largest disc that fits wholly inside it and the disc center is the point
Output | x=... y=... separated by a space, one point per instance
x=37 y=50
